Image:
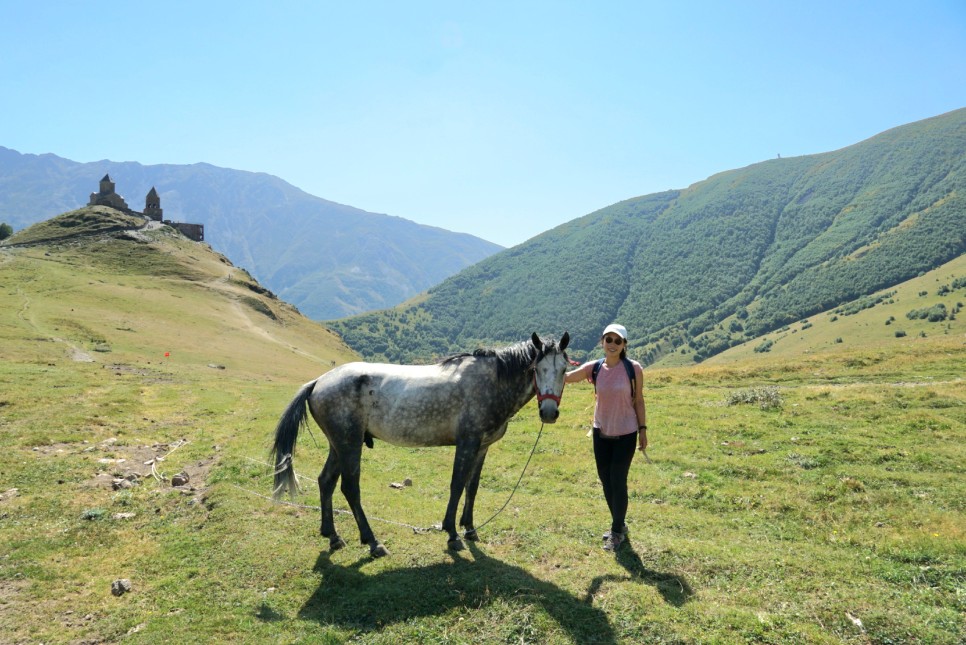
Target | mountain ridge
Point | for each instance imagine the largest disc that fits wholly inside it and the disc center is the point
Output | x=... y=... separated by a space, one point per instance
x=716 y=264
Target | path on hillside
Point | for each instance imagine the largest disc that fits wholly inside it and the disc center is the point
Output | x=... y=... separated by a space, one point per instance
x=223 y=284
x=75 y=353
x=249 y=325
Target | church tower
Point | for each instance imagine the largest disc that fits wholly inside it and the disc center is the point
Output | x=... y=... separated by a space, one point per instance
x=107 y=186
x=107 y=197
x=152 y=205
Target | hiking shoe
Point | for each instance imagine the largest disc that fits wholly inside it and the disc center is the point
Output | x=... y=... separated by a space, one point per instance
x=614 y=541
x=606 y=535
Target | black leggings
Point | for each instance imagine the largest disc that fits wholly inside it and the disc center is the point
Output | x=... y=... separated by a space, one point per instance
x=613 y=457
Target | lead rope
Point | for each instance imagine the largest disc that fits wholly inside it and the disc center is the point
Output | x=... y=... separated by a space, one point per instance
x=416 y=529
x=532 y=450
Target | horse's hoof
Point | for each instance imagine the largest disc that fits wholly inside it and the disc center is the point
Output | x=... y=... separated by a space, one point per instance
x=336 y=543
x=455 y=545
x=471 y=535
x=378 y=550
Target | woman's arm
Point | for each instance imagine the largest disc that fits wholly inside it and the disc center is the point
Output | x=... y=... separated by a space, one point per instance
x=639 y=407
x=582 y=373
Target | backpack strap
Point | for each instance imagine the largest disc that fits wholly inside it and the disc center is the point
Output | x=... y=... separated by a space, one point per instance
x=628 y=367
x=593 y=375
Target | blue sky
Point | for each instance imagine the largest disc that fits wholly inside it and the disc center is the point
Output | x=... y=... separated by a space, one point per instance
x=499 y=119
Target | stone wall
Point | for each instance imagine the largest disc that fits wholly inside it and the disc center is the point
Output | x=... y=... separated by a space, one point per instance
x=194 y=232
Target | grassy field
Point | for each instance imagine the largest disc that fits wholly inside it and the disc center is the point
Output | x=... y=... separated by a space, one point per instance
x=815 y=496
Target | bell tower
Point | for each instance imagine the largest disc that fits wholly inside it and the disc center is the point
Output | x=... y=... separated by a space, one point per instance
x=152 y=206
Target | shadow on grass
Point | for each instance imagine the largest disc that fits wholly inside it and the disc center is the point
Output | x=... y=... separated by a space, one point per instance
x=268 y=614
x=349 y=598
x=674 y=589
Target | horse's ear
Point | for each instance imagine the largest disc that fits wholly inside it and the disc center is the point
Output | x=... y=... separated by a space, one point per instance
x=536 y=341
x=564 y=341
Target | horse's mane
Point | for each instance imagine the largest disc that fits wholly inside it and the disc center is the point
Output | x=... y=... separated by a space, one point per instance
x=510 y=360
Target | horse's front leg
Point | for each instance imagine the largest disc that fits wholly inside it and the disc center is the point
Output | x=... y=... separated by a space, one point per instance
x=466 y=454
x=327 y=481
x=466 y=519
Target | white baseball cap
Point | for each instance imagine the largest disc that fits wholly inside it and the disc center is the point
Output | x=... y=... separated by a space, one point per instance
x=615 y=328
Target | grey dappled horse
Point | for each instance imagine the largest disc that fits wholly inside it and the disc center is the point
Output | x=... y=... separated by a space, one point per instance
x=464 y=400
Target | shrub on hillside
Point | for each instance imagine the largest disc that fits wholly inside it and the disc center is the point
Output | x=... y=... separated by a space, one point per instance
x=765 y=346
x=5 y=231
x=766 y=398
x=866 y=302
x=936 y=313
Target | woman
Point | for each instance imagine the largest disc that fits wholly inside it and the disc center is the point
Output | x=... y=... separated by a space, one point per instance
x=620 y=423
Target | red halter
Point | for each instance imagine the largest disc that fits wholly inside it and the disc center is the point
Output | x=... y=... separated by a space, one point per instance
x=542 y=397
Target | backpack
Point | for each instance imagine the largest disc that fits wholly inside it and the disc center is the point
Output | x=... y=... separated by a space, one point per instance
x=627 y=366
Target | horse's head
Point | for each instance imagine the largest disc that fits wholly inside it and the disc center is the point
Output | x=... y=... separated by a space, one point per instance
x=548 y=375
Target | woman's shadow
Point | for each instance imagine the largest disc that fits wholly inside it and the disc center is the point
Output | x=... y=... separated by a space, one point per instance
x=673 y=588
x=349 y=598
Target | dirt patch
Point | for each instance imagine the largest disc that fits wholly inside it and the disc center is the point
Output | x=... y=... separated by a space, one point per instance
x=79 y=356
x=118 y=463
x=121 y=368
x=10 y=591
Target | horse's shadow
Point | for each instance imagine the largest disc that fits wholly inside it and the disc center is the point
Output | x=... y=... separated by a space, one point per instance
x=349 y=598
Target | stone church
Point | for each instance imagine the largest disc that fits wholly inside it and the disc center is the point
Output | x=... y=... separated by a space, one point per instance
x=107 y=196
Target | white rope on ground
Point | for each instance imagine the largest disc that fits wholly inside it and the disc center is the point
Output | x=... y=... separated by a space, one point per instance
x=154 y=462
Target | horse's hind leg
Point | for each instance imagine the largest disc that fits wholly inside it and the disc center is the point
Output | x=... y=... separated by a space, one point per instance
x=351 y=462
x=467 y=453
x=466 y=519
x=327 y=481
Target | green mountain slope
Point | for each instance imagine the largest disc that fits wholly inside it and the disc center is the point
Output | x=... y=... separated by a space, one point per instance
x=765 y=246
x=328 y=259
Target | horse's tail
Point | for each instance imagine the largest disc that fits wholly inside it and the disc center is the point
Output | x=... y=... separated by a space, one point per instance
x=286 y=433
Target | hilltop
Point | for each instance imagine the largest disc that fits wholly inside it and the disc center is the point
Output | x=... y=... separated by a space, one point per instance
x=104 y=286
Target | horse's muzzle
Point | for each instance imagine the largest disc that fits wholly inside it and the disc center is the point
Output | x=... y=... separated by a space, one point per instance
x=549 y=411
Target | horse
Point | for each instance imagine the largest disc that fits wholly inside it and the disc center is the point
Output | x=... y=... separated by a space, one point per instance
x=465 y=400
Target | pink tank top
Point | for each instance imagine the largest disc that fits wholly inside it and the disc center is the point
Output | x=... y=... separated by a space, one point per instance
x=614 y=412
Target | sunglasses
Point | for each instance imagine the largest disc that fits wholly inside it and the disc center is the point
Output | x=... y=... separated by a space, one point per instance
x=616 y=340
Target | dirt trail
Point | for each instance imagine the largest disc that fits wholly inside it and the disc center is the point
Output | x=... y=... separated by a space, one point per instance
x=223 y=284
x=73 y=351
x=249 y=325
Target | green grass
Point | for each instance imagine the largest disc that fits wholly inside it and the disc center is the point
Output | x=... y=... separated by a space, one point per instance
x=851 y=328
x=771 y=524
x=83 y=222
